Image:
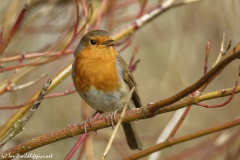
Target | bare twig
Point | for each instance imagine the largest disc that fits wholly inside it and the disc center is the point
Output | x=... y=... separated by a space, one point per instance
x=84 y=6
x=143 y=6
x=184 y=114
x=34 y=55
x=207 y=53
x=223 y=104
x=190 y=1
x=74 y=130
x=117 y=126
x=169 y=130
x=52 y=95
x=169 y=143
x=73 y=36
x=132 y=66
x=127 y=43
x=204 y=81
x=100 y=13
x=17 y=126
x=64 y=73
x=9 y=84
x=173 y=132
x=176 y=127
x=79 y=142
x=14 y=28
x=220 y=55
x=14 y=88
x=146 y=18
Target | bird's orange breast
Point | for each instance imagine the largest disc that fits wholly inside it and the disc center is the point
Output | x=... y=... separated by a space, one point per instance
x=96 y=68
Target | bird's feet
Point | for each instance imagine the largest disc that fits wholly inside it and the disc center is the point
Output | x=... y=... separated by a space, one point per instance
x=112 y=117
x=89 y=120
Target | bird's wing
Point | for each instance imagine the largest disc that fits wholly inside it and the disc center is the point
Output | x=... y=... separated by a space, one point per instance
x=129 y=80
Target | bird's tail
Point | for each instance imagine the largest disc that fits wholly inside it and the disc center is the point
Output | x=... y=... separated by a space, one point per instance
x=131 y=135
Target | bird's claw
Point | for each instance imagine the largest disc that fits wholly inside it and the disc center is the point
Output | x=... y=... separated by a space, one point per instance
x=112 y=116
x=89 y=120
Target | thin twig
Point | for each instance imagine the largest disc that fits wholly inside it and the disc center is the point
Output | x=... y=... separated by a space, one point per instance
x=207 y=53
x=143 y=6
x=74 y=35
x=177 y=126
x=204 y=81
x=132 y=66
x=167 y=3
x=110 y=16
x=79 y=142
x=191 y=136
x=17 y=126
x=117 y=126
x=223 y=104
x=52 y=95
x=220 y=55
x=100 y=13
x=127 y=43
x=171 y=126
x=84 y=6
x=9 y=82
x=15 y=116
x=148 y=17
x=14 y=88
x=100 y=123
x=184 y=114
x=34 y=55
x=14 y=29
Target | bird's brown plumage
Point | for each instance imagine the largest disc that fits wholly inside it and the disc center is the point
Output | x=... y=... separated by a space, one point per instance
x=103 y=79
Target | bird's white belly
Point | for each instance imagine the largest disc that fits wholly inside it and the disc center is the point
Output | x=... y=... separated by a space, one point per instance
x=106 y=101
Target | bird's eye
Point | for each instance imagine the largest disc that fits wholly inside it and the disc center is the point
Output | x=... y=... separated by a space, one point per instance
x=93 y=42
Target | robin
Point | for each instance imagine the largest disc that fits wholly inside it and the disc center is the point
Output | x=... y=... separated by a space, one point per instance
x=103 y=80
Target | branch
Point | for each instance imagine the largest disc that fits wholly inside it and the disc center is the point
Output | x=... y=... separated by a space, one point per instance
x=17 y=126
x=129 y=116
x=14 y=29
x=67 y=69
x=171 y=142
x=118 y=125
x=148 y=17
x=208 y=77
x=64 y=73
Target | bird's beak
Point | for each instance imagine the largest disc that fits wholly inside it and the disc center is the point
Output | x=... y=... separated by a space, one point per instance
x=109 y=42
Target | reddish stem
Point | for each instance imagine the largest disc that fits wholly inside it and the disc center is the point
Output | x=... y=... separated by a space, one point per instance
x=206 y=56
x=67 y=92
x=132 y=66
x=110 y=15
x=179 y=123
x=1 y=38
x=80 y=141
x=70 y=87
x=223 y=104
x=56 y=57
x=100 y=13
x=15 y=27
x=128 y=42
x=77 y=20
x=9 y=88
x=75 y=147
x=144 y=4
x=85 y=10
x=123 y=4
x=34 y=55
